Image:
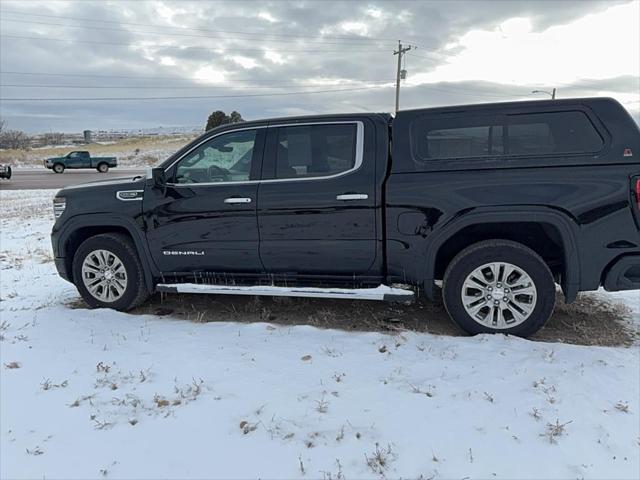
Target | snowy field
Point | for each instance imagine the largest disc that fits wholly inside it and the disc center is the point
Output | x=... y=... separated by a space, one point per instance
x=95 y=394
x=131 y=152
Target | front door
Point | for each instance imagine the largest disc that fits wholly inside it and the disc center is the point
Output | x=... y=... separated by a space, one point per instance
x=205 y=221
x=317 y=202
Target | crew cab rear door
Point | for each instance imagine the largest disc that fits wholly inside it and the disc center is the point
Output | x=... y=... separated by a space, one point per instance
x=205 y=220
x=317 y=199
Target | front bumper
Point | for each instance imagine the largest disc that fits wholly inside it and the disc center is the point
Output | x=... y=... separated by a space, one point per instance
x=624 y=274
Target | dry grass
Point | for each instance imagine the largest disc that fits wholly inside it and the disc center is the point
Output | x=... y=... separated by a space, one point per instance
x=555 y=430
x=622 y=407
x=380 y=459
x=49 y=385
x=588 y=321
x=127 y=148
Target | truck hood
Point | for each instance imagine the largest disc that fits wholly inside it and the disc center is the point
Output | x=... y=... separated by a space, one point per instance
x=107 y=196
x=132 y=182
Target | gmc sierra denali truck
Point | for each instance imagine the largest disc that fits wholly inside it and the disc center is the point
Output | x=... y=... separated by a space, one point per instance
x=494 y=203
x=80 y=159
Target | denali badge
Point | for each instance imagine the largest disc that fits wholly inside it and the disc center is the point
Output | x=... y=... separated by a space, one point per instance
x=627 y=153
x=183 y=252
x=127 y=195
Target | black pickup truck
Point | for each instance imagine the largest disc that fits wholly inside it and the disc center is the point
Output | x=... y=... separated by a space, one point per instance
x=494 y=203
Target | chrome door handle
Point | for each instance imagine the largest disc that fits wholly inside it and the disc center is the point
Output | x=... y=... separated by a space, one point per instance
x=352 y=196
x=237 y=200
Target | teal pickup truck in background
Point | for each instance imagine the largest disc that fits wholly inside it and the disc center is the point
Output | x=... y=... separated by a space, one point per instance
x=80 y=159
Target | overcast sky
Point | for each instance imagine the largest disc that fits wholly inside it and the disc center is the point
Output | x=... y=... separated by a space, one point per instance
x=260 y=55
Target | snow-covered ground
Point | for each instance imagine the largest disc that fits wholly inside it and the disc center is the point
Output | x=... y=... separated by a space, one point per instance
x=93 y=394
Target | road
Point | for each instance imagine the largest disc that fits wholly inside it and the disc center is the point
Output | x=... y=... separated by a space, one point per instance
x=27 y=178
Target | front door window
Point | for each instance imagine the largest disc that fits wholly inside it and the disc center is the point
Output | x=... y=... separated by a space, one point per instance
x=225 y=158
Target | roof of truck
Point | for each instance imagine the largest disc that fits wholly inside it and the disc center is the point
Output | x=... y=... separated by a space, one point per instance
x=387 y=117
x=522 y=104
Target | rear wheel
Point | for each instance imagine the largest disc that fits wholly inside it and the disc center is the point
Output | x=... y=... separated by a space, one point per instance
x=108 y=273
x=499 y=286
x=103 y=168
x=58 y=168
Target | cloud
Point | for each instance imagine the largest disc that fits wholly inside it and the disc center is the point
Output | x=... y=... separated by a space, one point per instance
x=468 y=52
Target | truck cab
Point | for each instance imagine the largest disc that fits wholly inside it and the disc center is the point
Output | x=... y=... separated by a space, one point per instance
x=495 y=204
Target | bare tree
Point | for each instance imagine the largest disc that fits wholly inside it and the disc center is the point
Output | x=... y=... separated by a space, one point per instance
x=53 y=138
x=14 y=139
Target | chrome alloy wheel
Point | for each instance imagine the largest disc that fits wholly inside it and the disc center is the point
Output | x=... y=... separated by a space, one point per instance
x=104 y=275
x=499 y=295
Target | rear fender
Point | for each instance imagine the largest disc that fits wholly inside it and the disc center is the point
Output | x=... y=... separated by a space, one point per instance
x=566 y=228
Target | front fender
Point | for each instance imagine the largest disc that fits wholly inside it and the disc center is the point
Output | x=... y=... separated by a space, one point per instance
x=61 y=235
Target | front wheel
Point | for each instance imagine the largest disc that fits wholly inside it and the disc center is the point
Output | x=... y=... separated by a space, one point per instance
x=499 y=286
x=103 y=168
x=58 y=168
x=108 y=274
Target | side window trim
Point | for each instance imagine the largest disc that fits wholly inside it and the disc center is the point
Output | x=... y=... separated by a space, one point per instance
x=264 y=146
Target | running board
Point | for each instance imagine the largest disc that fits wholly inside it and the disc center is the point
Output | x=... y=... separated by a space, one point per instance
x=381 y=292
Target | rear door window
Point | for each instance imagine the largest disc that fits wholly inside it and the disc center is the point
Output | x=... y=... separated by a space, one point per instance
x=315 y=150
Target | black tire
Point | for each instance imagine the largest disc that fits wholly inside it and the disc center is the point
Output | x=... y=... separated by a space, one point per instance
x=489 y=251
x=136 y=290
x=58 y=168
x=103 y=167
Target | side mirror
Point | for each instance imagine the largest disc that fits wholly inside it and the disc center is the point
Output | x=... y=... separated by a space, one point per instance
x=156 y=178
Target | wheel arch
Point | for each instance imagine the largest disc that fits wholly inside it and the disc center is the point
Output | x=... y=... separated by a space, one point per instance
x=484 y=224
x=79 y=228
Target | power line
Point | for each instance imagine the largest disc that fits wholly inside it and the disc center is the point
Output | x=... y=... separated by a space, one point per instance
x=194 y=97
x=177 y=87
x=190 y=47
x=164 y=34
x=160 y=77
x=237 y=32
x=48 y=74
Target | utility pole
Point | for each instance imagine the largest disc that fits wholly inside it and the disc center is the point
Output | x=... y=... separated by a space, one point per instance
x=401 y=51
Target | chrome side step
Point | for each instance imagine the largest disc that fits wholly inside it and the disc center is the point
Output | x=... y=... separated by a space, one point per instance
x=381 y=292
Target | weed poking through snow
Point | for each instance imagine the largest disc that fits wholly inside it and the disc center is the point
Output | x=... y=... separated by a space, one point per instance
x=380 y=459
x=322 y=406
x=555 y=430
x=622 y=406
x=48 y=385
x=428 y=392
x=535 y=413
x=333 y=476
